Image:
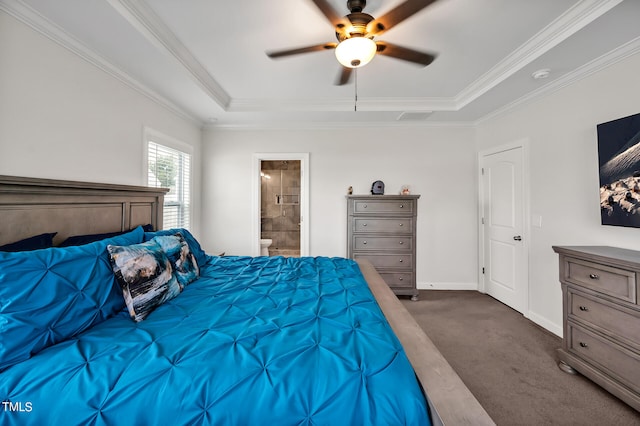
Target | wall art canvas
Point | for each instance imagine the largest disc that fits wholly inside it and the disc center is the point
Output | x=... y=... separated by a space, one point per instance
x=619 y=162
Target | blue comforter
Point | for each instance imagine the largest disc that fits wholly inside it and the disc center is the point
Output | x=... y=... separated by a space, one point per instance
x=254 y=341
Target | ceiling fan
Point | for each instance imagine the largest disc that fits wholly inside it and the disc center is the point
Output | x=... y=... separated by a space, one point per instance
x=355 y=33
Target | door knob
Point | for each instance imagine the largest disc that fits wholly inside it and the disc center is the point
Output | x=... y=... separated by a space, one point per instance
x=517 y=238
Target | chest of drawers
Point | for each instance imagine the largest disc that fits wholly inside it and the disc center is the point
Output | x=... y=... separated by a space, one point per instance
x=601 y=317
x=382 y=229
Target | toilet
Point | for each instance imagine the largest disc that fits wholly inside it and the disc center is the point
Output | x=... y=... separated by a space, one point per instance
x=264 y=246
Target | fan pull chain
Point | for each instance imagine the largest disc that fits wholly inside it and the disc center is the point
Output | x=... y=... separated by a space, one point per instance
x=355 y=101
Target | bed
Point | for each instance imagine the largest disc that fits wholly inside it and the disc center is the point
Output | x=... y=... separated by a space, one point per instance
x=264 y=340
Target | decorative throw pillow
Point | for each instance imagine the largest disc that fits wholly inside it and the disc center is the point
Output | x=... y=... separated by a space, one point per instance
x=36 y=242
x=48 y=296
x=194 y=245
x=145 y=276
x=185 y=266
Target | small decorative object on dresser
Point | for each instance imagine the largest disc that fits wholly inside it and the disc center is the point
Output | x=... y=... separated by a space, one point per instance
x=382 y=229
x=601 y=317
x=377 y=188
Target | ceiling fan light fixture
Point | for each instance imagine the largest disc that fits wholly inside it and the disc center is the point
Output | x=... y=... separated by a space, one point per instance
x=356 y=52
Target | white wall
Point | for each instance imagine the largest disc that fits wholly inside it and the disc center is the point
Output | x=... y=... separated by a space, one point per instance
x=63 y=118
x=438 y=164
x=564 y=185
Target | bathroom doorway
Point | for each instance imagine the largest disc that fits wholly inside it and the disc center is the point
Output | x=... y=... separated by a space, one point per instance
x=281 y=204
x=280 y=208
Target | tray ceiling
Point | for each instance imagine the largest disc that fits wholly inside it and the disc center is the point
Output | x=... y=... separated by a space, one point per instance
x=206 y=60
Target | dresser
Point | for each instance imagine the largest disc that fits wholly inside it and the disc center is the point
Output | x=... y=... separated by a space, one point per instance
x=601 y=317
x=382 y=229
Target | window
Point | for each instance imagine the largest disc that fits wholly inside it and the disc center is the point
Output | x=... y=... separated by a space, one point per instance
x=171 y=168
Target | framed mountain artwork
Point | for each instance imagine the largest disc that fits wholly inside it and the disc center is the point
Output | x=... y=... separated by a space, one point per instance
x=619 y=168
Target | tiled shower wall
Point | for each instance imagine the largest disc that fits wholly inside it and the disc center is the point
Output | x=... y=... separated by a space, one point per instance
x=281 y=222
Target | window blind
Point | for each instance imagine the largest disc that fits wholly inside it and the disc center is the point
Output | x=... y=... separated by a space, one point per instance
x=171 y=168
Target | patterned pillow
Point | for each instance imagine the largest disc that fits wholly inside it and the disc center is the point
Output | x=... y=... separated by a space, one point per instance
x=185 y=266
x=194 y=245
x=145 y=276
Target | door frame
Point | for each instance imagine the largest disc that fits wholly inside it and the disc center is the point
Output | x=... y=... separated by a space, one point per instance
x=256 y=180
x=523 y=144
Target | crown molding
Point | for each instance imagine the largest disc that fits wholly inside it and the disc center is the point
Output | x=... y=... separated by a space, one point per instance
x=25 y=14
x=610 y=58
x=570 y=22
x=342 y=104
x=307 y=125
x=149 y=25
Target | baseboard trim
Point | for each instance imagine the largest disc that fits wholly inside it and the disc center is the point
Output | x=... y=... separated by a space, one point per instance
x=545 y=323
x=447 y=286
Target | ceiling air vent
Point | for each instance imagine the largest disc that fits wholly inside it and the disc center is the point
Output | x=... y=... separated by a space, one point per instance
x=414 y=116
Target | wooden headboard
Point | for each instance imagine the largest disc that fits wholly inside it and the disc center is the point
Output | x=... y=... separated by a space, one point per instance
x=32 y=206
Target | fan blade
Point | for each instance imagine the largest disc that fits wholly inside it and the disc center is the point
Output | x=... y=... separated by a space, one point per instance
x=404 y=53
x=397 y=15
x=344 y=77
x=307 y=49
x=329 y=12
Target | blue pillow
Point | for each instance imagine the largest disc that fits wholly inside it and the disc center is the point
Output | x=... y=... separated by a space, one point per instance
x=36 y=242
x=194 y=245
x=183 y=262
x=50 y=295
x=145 y=276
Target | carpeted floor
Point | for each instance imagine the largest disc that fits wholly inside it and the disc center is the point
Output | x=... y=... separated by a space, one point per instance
x=510 y=365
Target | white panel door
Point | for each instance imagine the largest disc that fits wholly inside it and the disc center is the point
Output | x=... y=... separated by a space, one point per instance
x=505 y=276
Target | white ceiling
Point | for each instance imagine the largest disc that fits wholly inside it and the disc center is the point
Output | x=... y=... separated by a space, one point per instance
x=205 y=59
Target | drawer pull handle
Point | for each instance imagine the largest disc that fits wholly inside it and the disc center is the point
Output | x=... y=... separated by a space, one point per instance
x=400 y=279
x=401 y=242
x=401 y=260
x=594 y=276
x=401 y=206
x=364 y=242
x=584 y=308
x=401 y=224
x=364 y=224
x=365 y=206
x=583 y=345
